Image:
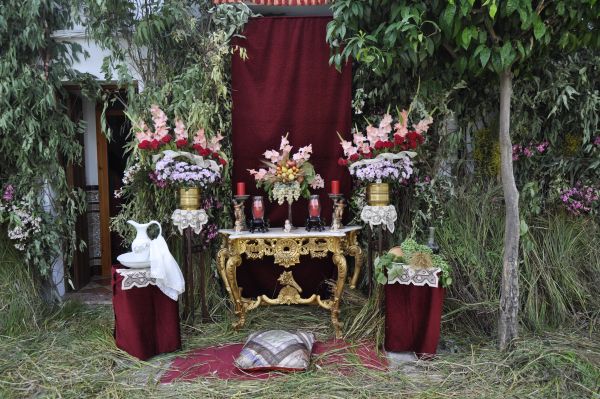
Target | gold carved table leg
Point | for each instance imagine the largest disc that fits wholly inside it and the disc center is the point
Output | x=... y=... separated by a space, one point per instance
x=340 y=261
x=355 y=251
x=222 y=256
x=231 y=265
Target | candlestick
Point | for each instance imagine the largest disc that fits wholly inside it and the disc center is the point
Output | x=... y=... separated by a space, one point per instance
x=241 y=188
x=335 y=187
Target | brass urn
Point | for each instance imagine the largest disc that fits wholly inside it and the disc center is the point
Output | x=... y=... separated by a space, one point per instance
x=378 y=194
x=189 y=198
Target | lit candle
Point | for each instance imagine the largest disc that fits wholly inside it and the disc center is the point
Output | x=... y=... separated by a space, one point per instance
x=258 y=210
x=335 y=187
x=241 y=188
x=314 y=208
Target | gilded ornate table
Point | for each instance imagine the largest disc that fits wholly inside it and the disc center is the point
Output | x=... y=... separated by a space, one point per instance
x=286 y=249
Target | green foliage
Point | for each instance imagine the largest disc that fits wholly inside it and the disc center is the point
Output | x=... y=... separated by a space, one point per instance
x=558 y=274
x=37 y=137
x=181 y=51
x=20 y=299
x=386 y=266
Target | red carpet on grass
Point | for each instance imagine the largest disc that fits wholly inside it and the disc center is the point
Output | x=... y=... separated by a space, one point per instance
x=217 y=361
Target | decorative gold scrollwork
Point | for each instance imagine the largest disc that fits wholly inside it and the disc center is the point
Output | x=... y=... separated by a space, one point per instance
x=286 y=252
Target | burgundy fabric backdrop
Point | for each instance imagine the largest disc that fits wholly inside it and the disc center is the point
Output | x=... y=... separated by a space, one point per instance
x=287 y=85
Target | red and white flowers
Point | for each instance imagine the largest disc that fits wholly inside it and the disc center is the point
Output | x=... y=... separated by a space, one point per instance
x=384 y=138
x=160 y=137
x=287 y=176
x=383 y=153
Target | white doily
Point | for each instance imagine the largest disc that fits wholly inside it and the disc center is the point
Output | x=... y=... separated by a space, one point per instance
x=376 y=215
x=183 y=219
x=406 y=275
x=139 y=278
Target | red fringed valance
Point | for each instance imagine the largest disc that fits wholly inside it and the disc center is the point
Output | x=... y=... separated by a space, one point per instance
x=277 y=2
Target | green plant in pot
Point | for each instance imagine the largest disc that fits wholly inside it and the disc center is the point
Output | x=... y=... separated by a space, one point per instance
x=391 y=265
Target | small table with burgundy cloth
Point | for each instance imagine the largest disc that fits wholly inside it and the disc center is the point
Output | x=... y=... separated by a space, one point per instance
x=146 y=320
x=412 y=317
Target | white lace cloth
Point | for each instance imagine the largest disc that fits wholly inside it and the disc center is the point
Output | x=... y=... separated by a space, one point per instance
x=406 y=275
x=136 y=278
x=380 y=215
x=183 y=219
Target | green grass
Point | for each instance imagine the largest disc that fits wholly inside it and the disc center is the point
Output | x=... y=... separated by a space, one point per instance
x=559 y=268
x=72 y=355
x=21 y=305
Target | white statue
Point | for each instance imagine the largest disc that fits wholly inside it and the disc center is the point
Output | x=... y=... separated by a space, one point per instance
x=287 y=226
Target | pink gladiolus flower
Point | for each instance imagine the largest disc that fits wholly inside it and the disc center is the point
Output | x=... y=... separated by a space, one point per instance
x=272 y=156
x=348 y=148
x=423 y=125
x=180 y=131
x=285 y=145
x=385 y=125
x=303 y=153
x=200 y=138
x=358 y=138
x=527 y=152
x=258 y=174
x=401 y=127
x=214 y=143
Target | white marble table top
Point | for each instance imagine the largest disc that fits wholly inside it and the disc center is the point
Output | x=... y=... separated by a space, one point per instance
x=277 y=232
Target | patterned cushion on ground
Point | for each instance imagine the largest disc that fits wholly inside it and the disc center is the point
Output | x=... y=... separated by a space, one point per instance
x=276 y=350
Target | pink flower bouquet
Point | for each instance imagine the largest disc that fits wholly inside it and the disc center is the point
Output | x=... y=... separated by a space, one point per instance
x=287 y=176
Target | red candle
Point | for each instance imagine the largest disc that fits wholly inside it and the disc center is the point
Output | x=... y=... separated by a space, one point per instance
x=241 y=188
x=258 y=210
x=335 y=187
x=314 y=208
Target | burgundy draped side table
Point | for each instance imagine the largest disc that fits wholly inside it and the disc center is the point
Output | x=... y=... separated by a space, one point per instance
x=146 y=320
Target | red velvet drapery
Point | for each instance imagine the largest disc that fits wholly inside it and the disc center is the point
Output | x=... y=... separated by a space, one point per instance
x=287 y=85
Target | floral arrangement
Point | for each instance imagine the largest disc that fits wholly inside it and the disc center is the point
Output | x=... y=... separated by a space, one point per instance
x=23 y=224
x=160 y=137
x=182 y=169
x=530 y=150
x=580 y=199
x=178 y=158
x=287 y=176
x=389 y=265
x=384 y=153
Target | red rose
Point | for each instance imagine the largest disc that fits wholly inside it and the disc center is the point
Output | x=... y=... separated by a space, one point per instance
x=204 y=152
x=144 y=145
x=222 y=161
x=166 y=139
x=182 y=143
x=398 y=139
x=353 y=157
x=154 y=144
x=388 y=144
x=379 y=145
x=216 y=155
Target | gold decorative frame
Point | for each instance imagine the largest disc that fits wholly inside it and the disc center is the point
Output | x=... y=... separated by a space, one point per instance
x=286 y=250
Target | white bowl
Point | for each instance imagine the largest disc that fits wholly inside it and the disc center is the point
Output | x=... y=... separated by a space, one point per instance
x=133 y=260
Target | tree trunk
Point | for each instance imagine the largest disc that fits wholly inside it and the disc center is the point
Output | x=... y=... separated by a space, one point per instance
x=509 y=295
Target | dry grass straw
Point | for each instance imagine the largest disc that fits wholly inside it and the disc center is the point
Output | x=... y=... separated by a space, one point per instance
x=73 y=356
